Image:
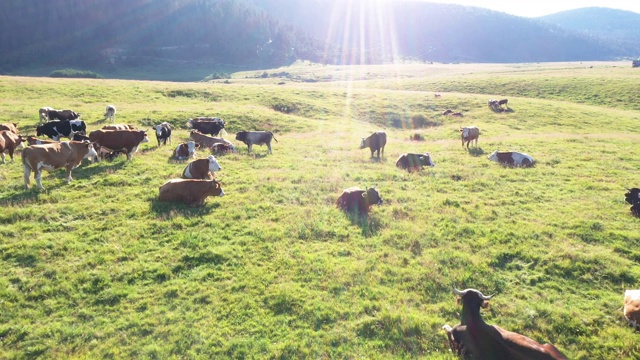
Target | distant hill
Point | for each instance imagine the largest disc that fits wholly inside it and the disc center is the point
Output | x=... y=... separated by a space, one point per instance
x=618 y=27
x=98 y=35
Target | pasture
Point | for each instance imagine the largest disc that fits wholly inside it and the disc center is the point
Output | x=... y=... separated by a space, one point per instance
x=100 y=269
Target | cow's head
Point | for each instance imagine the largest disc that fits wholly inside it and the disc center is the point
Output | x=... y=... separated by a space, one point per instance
x=241 y=136
x=494 y=156
x=464 y=132
x=91 y=151
x=191 y=147
x=363 y=143
x=213 y=164
x=426 y=160
x=145 y=137
x=217 y=188
x=472 y=298
x=373 y=196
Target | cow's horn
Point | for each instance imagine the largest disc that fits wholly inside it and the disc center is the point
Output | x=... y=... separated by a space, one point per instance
x=485 y=297
x=458 y=292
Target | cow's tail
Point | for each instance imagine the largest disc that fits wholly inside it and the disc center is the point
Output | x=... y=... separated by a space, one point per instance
x=273 y=136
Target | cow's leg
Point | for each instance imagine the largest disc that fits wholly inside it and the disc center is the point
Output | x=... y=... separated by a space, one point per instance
x=68 y=168
x=38 y=176
x=3 y=157
x=476 y=143
x=129 y=155
x=269 y=148
x=249 y=148
x=27 y=173
x=383 y=151
x=10 y=155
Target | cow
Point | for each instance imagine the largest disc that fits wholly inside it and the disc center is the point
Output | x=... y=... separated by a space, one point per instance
x=458 y=114
x=9 y=142
x=163 y=132
x=512 y=158
x=186 y=150
x=479 y=340
x=190 y=191
x=436 y=95
x=110 y=113
x=222 y=148
x=126 y=140
x=119 y=127
x=494 y=105
x=411 y=161
x=62 y=115
x=67 y=154
x=468 y=134
x=251 y=138
x=57 y=129
x=104 y=153
x=202 y=169
x=633 y=197
x=207 y=125
x=447 y=112
x=356 y=200
x=79 y=137
x=631 y=309
x=375 y=142
x=43 y=114
x=32 y=140
x=13 y=127
x=503 y=102
x=209 y=142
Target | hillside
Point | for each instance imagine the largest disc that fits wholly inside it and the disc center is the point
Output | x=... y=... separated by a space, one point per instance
x=188 y=40
x=99 y=268
x=617 y=27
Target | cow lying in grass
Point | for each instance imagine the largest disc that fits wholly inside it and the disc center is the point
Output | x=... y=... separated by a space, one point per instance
x=189 y=191
x=512 y=158
x=356 y=200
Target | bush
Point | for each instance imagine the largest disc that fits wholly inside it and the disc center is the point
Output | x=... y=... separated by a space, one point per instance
x=216 y=76
x=74 y=73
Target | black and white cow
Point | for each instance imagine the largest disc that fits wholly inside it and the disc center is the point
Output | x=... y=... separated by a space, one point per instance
x=57 y=129
x=62 y=115
x=512 y=158
x=163 y=132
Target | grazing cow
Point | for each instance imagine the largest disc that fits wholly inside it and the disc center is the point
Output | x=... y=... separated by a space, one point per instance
x=32 y=140
x=375 y=142
x=458 y=114
x=209 y=142
x=356 y=200
x=57 y=129
x=207 y=125
x=411 y=161
x=43 y=114
x=62 y=115
x=110 y=113
x=202 y=169
x=190 y=191
x=119 y=127
x=120 y=140
x=468 y=134
x=474 y=338
x=9 y=142
x=186 y=150
x=447 y=112
x=503 y=102
x=632 y=308
x=67 y=154
x=633 y=197
x=163 y=132
x=13 y=127
x=512 y=158
x=256 y=138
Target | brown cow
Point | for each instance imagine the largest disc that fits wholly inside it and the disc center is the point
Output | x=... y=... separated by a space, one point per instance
x=190 y=191
x=632 y=308
x=468 y=134
x=447 y=112
x=32 y=140
x=479 y=340
x=119 y=127
x=117 y=140
x=375 y=142
x=186 y=150
x=9 y=142
x=357 y=200
x=67 y=154
x=202 y=168
x=207 y=141
x=458 y=114
x=13 y=127
x=412 y=161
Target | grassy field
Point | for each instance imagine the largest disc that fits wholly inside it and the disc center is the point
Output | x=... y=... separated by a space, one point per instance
x=100 y=269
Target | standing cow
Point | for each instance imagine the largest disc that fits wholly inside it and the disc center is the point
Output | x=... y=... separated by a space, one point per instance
x=62 y=115
x=207 y=125
x=120 y=140
x=375 y=142
x=468 y=134
x=56 y=129
x=9 y=142
x=356 y=200
x=163 y=132
x=110 y=113
x=256 y=138
x=67 y=154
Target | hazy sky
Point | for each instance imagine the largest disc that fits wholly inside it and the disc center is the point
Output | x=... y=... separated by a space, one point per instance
x=533 y=8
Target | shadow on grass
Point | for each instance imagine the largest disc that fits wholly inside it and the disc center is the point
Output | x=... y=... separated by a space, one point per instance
x=375 y=159
x=103 y=167
x=167 y=210
x=369 y=226
x=22 y=198
x=476 y=151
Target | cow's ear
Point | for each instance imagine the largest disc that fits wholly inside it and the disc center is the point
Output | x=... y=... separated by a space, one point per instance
x=217 y=184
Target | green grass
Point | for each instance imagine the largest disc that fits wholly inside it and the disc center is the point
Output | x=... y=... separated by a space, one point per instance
x=100 y=269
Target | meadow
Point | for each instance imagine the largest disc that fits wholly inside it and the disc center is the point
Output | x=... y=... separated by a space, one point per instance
x=100 y=269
